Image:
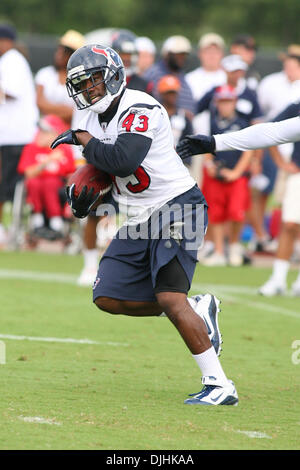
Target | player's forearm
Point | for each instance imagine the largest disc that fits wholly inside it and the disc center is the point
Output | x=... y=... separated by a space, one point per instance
x=120 y=159
x=260 y=136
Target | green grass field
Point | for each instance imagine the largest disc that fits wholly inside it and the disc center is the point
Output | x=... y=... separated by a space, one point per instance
x=126 y=390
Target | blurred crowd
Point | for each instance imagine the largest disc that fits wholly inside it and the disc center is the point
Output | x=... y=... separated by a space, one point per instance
x=225 y=92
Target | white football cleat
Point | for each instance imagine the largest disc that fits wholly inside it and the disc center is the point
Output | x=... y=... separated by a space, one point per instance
x=296 y=289
x=235 y=254
x=271 y=288
x=214 y=394
x=207 y=307
x=87 y=277
x=216 y=259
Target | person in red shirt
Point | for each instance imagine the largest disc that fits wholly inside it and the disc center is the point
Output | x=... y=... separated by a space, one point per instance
x=45 y=171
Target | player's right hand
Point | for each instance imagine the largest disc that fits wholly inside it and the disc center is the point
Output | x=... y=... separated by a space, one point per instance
x=195 y=144
x=82 y=204
x=67 y=137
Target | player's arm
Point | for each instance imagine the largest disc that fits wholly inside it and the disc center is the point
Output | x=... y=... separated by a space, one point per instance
x=120 y=159
x=258 y=136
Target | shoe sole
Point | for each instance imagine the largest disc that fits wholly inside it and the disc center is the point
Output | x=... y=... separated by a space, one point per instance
x=229 y=401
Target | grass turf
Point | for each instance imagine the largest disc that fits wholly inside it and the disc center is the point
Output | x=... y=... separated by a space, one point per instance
x=127 y=392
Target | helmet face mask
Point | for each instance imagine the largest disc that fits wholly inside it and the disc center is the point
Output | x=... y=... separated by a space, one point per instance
x=90 y=67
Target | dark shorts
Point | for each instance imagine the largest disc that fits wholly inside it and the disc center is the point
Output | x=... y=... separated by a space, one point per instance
x=9 y=159
x=129 y=267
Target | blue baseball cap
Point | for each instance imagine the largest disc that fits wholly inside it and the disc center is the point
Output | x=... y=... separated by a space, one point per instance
x=8 y=32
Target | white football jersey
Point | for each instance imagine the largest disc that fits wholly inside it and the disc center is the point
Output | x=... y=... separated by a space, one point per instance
x=162 y=174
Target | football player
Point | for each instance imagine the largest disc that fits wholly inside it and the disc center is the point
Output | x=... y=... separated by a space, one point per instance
x=147 y=269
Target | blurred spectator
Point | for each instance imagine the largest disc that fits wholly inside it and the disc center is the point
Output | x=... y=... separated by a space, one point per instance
x=174 y=52
x=210 y=72
x=45 y=171
x=290 y=226
x=245 y=46
x=225 y=182
x=285 y=86
x=52 y=95
x=147 y=52
x=18 y=114
x=247 y=103
x=124 y=43
x=168 y=88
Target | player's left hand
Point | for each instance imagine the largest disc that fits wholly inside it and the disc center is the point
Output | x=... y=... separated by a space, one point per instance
x=195 y=144
x=82 y=204
x=67 y=137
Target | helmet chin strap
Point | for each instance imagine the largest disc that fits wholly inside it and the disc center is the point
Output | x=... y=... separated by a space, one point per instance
x=102 y=105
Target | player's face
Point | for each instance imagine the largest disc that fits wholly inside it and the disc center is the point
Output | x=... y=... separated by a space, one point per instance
x=95 y=88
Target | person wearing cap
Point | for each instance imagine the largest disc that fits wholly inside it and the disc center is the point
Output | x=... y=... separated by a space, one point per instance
x=168 y=88
x=225 y=181
x=45 y=171
x=18 y=114
x=124 y=43
x=210 y=72
x=174 y=53
x=245 y=46
x=247 y=104
x=52 y=96
x=284 y=85
x=147 y=53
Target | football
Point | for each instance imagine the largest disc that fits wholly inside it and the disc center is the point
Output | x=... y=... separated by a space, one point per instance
x=90 y=176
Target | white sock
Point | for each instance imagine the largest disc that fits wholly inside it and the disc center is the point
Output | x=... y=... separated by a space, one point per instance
x=210 y=365
x=37 y=220
x=280 y=271
x=90 y=259
x=56 y=223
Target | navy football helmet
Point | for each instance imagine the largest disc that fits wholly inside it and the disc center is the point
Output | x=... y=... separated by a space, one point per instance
x=84 y=64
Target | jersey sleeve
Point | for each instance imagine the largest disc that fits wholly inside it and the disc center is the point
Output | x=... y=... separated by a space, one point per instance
x=141 y=118
x=261 y=135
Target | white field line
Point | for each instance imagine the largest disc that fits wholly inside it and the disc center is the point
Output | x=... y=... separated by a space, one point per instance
x=38 y=276
x=39 y=420
x=255 y=434
x=61 y=340
x=225 y=290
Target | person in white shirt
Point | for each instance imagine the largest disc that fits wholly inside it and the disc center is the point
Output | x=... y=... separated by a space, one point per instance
x=210 y=73
x=285 y=85
x=52 y=96
x=148 y=267
x=258 y=136
x=18 y=114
